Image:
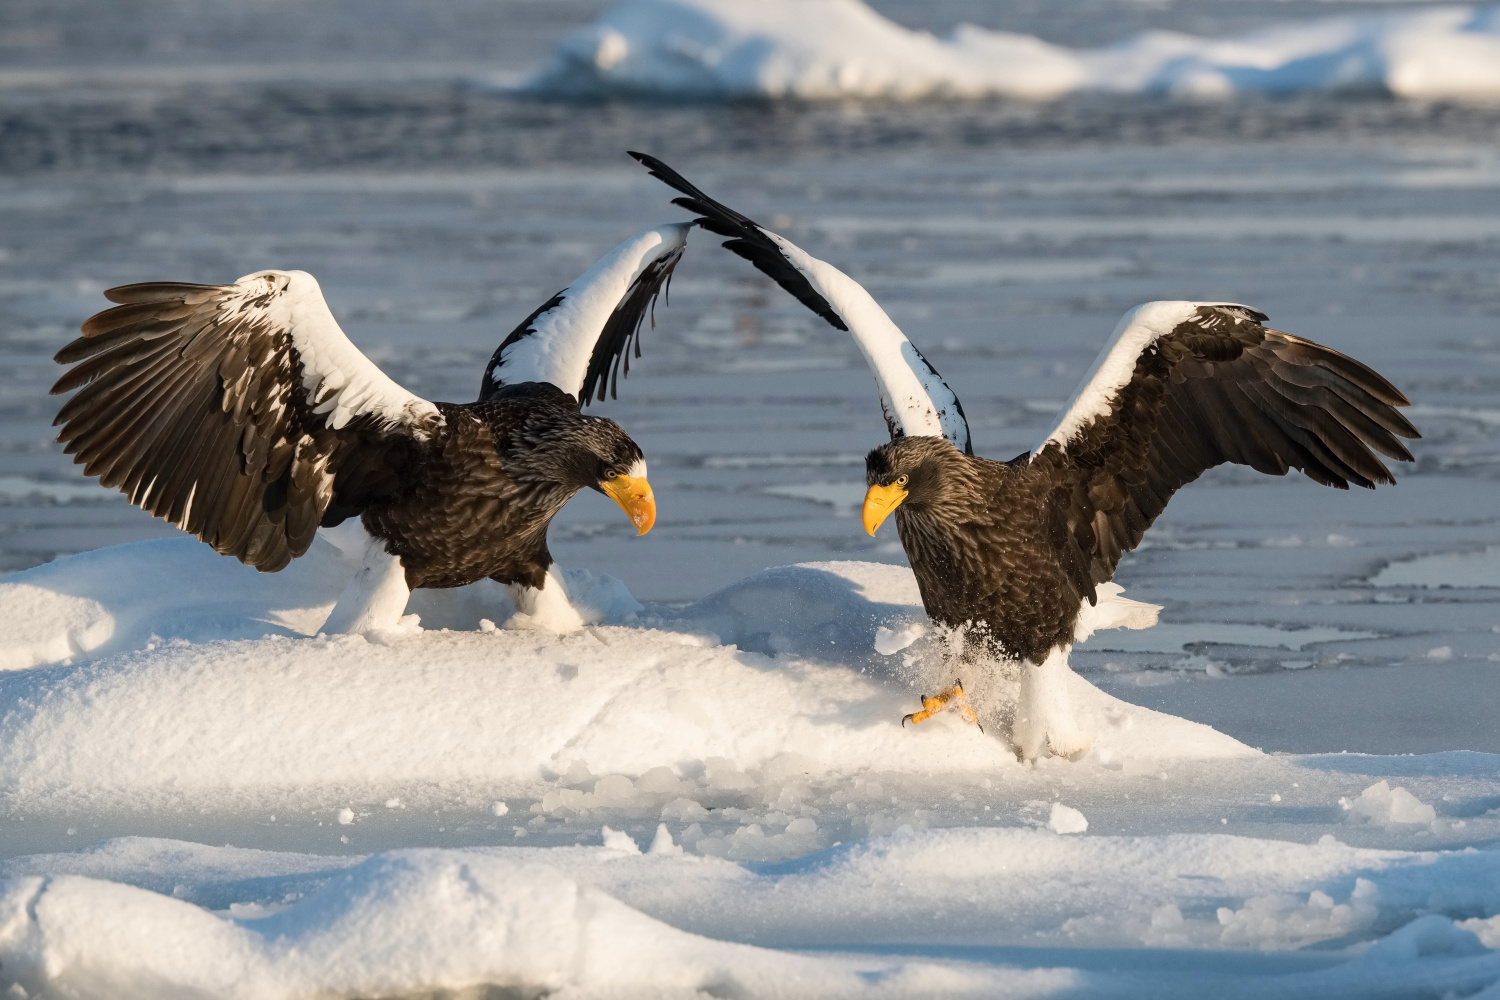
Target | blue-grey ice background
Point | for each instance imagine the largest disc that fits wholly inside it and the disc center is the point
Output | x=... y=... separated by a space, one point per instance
x=204 y=139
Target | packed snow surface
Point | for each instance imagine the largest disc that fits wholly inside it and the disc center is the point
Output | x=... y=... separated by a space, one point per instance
x=712 y=799
x=828 y=49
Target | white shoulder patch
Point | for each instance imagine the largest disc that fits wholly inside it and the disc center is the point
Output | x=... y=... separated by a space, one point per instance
x=1095 y=397
x=339 y=380
x=559 y=350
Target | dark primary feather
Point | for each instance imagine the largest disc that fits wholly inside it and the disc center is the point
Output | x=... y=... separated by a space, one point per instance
x=622 y=329
x=745 y=238
x=202 y=419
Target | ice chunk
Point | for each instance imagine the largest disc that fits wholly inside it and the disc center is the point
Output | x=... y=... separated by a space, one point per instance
x=662 y=842
x=619 y=840
x=1066 y=819
x=891 y=641
x=1389 y=806
x=1426 y=937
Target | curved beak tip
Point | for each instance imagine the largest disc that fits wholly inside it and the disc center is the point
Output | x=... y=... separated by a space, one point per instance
x=635 y=498
x=879 y=502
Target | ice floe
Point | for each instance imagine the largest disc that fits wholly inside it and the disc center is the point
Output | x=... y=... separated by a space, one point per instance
x=830 y=49
x=715 y=799
x=1445 y=569
x=217 y=694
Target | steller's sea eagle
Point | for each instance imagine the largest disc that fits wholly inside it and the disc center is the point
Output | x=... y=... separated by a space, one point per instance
x=242 y=414
x=1018 y=552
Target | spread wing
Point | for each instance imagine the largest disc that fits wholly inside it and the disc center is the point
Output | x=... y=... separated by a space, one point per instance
x=578 y=339
x=1184 y=386
x=240 y=413
x=913 y=396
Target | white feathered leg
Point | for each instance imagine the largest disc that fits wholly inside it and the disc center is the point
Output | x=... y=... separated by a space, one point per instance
x=376 y=598
x=1044 y=712
x=548 y=607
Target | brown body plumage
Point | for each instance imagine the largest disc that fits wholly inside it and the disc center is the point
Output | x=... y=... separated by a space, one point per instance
x=475 y=500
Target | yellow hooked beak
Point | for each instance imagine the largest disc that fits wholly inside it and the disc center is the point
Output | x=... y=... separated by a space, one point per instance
x=879 y=502
x=635 y=498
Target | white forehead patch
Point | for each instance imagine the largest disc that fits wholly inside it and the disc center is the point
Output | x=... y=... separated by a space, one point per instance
x=637 y=469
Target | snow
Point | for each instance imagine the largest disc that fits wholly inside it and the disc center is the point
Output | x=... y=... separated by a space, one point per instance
x=832 y=49
x=1066 y=819
x=169 y=725
x=593 y=921
x=741 y=766
x=1380 y=803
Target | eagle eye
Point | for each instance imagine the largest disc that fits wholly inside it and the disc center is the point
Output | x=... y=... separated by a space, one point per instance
x=901 y=480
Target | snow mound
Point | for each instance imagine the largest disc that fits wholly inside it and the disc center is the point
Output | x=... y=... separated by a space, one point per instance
x=769 y=679
x=831 y=49
x=419 y=920
x=125 y=597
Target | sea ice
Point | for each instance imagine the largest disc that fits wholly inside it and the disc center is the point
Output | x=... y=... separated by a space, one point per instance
x=830 y=49
x=686 y=800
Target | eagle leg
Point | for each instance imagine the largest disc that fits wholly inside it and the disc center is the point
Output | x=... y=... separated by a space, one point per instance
x=939 y=702
x=376 y=598
x=548 y=607
x=1044 y=721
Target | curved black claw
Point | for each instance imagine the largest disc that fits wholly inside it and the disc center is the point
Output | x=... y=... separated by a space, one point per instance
x=905 y=719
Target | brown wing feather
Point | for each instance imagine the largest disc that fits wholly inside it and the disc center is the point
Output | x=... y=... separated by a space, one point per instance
x=198 y=412
x=1220 y=388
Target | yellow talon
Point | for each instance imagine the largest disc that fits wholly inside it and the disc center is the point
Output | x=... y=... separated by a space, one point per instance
x=932 y=705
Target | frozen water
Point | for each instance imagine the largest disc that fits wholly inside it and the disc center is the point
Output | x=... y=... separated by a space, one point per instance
x=426 y=811
x=1455 y=569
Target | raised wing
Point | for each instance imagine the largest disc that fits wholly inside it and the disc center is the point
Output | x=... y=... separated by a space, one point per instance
x=578 y=339
x=240 y=413
x=1184 y=386
x=913 y=396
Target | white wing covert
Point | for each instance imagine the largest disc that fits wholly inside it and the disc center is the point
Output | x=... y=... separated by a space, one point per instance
x=913 y=396
x=579 y=339
x=1113 y=368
